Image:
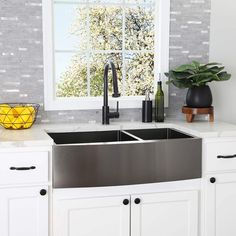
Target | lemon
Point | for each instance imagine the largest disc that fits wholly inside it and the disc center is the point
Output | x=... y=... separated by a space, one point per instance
x=12 y=115
x=29 y=121
x=31 y=110
x=4 y=109
x=17 y=123
x=4 y=119
x=20 y=110
x=18 y=117
x=27 y=125
x=25 y=118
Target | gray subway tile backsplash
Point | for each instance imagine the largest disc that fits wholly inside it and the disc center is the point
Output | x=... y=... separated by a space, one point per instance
x=21 y=55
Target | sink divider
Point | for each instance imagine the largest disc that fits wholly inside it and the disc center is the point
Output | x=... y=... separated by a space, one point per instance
x=131 y=135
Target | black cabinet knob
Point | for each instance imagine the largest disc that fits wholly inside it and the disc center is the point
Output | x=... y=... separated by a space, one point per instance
x=43 y=192
x=126 y=202
x=212 y=180
x=137 y=200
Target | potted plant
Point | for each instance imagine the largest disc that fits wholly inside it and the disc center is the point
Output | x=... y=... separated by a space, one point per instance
x=195 y=77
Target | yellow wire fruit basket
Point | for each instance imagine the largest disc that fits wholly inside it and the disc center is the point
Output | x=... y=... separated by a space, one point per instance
x=18 y=115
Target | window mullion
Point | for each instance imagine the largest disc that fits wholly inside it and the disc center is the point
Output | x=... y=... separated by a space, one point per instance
x=123 y=50
x=88 y=53
x=156 y=46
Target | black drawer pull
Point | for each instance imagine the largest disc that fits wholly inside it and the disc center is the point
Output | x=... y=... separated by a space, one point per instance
x=23 y=168
x=227 y=157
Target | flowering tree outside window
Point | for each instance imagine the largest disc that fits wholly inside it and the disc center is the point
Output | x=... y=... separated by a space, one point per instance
x=88 y=34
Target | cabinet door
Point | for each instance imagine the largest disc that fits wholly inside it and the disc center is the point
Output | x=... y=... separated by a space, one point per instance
x=221 y=205
x=165 y=214
x=106 y=216
x=23 y=212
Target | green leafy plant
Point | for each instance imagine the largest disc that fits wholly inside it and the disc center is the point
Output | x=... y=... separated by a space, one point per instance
x=196 y=74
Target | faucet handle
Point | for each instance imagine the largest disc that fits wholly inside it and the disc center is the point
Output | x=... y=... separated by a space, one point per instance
x=117 y=106
x=116 y=113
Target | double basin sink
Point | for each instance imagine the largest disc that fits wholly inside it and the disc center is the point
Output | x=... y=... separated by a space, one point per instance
x=124 y=157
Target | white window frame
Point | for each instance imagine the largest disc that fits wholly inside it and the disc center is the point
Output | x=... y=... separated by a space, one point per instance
x=161 y=64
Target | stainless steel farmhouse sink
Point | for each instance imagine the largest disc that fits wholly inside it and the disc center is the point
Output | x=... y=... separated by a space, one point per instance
x=111 y=158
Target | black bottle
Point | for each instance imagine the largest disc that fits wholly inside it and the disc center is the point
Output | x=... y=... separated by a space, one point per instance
x=159 y=103
x=147 y=109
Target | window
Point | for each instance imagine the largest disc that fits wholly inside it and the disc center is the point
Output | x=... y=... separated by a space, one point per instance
x=80 y=36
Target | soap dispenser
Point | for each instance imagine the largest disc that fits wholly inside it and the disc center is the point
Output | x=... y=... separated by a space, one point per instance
x=147 y=108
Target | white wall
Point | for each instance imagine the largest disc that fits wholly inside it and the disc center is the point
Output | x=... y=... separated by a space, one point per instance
x=223 y=49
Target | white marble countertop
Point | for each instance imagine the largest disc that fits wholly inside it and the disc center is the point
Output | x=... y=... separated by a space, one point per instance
x=37 y=136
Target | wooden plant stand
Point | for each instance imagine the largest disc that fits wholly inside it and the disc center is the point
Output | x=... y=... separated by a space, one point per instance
x=191 y=112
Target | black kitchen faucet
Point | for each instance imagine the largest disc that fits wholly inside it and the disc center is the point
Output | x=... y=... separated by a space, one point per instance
x=106 y=114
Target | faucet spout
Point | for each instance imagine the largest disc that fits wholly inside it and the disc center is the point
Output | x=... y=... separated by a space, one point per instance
x=115 y=81
x=106 y=114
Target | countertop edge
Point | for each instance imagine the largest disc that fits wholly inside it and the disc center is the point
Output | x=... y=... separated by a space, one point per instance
x=37 y=136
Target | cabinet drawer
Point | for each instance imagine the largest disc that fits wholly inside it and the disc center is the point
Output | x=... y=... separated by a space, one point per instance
x=23 y=168
x=220 y=156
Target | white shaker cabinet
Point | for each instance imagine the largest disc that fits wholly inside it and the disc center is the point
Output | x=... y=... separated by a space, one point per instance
x=106 y=216
x=165 y=214
x=221 y=205
x=220 y=187
x=24 y=195
x=24 y=211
